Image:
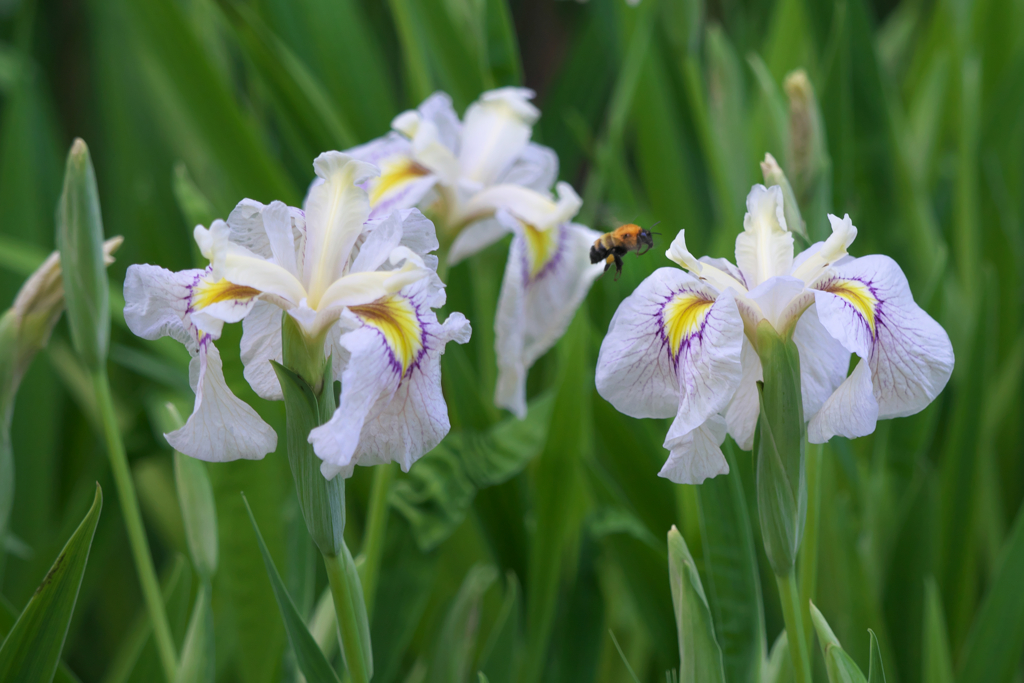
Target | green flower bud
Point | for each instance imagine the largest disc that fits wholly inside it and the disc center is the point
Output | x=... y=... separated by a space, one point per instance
x=80 y=240
x=779 y=445
x=773 y=175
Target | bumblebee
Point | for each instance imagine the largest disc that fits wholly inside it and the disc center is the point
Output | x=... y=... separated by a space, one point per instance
x=612 y=246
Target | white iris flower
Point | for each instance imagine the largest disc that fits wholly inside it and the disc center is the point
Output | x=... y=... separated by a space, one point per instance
x=364 y=288
x=482 y=178
x=682 y=344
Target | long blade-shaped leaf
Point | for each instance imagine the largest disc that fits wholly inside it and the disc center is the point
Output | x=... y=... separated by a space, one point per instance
x=32 y=649
x=310 y=659
x=700 y=657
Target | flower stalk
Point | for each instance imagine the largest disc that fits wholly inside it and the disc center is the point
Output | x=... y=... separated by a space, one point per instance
x=322 y=500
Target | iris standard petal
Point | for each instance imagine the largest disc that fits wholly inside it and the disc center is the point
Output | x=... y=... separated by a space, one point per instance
x=547 y=276
x=495 y=130
x=536 y=168
x=695 y=455
x=765 y=247
x=673 y=347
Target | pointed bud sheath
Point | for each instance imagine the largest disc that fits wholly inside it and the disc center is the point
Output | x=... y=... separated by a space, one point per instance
x=779 y=445
x=700 y=657
x=838 y=664
x=80 y=240
x=773 y=175
x=306 y=368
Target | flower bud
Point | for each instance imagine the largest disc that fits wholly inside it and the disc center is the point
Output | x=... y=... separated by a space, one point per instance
x=773 y=175
x=80 y=240
x=807 y=155
x=779 y=445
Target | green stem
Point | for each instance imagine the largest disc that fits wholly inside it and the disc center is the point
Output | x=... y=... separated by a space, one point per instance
x=354 y=635
x=809 y=546
x=376 y=527
x=133 y=524
x=792 y=614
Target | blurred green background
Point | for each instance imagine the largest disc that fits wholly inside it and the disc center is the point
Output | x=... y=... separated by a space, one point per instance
x=515 y=548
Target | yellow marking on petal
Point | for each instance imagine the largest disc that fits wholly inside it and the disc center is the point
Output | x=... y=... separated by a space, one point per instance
x=541 y=246
x=396 y=319
x=683 y=317
x=858 y=295
x=393 y=175
x=207 y=293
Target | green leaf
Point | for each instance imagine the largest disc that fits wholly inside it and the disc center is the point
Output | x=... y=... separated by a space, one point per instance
x=937 y=666
x=195 y=495
x=779 y=667
x=779 y=445
x=996 y=638
x=731 y=573
x=80 y=240
x=437 y=493
x=456 y=642
x=876 y=672
x=32 y=649
x=197 y=655
x=310 y=659
x=499 y=656
x=700 y=657
x=840 y=666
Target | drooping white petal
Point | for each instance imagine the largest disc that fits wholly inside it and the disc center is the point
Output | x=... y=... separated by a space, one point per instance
x=866 y=304
x=765 y=247
x=823 y=362
x=547 y=276
x=495 y=130
x=673 y=347
x=695 y=455
x=743 y=410
x=475 y=238
x=851 y=411
x=335 y=213
x=391 y=406
x=222 y=427
x=536 y=168
x=261 y=343
x=156 y=304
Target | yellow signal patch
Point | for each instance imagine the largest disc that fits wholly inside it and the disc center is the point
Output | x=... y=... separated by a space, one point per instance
x=396 y=319
x=393 y=175
x=541 y=246
x=858 y=295
x=207 y=293
x=683 y=316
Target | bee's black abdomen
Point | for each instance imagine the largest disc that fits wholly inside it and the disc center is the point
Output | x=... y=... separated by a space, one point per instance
x=597 y=253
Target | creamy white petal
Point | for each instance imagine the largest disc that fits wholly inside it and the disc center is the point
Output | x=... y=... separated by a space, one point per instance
x=261 y=343
x=393 y=357
x=536 y=168
x=335 y=213
x=673 y=347
x=765 y=247
x=418 y=234
x=278 y=225
x=381 y=238
x=535 y=208
x=866 y=304
x=774 y=298
x=547 y=276
x=495 y=130
x=235 y=264
x=248 y=230
x=475 y=238
x=813 y=263
x=438 y=110
x=708 y=270
x=851 y=411
x=743 y=410
x=695 y=455
x=222 y=427
x=823 y=362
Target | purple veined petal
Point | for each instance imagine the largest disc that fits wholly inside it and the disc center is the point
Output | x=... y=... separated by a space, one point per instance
x=673 y=348
x=867 y=306
x=547 y=275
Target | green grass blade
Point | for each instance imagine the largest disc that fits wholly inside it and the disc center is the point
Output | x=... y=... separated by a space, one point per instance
x=32 y=649
x=876 y=672
x=937 y=666
x=456 y=643
x=310 y=659
x=996 y=639
x=700 y=657
x=197 y=654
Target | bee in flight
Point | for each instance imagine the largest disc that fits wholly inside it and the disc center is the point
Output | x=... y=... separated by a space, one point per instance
x=612 y=246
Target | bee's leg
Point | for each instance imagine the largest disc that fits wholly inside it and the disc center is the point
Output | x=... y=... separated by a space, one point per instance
x=618 y=267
